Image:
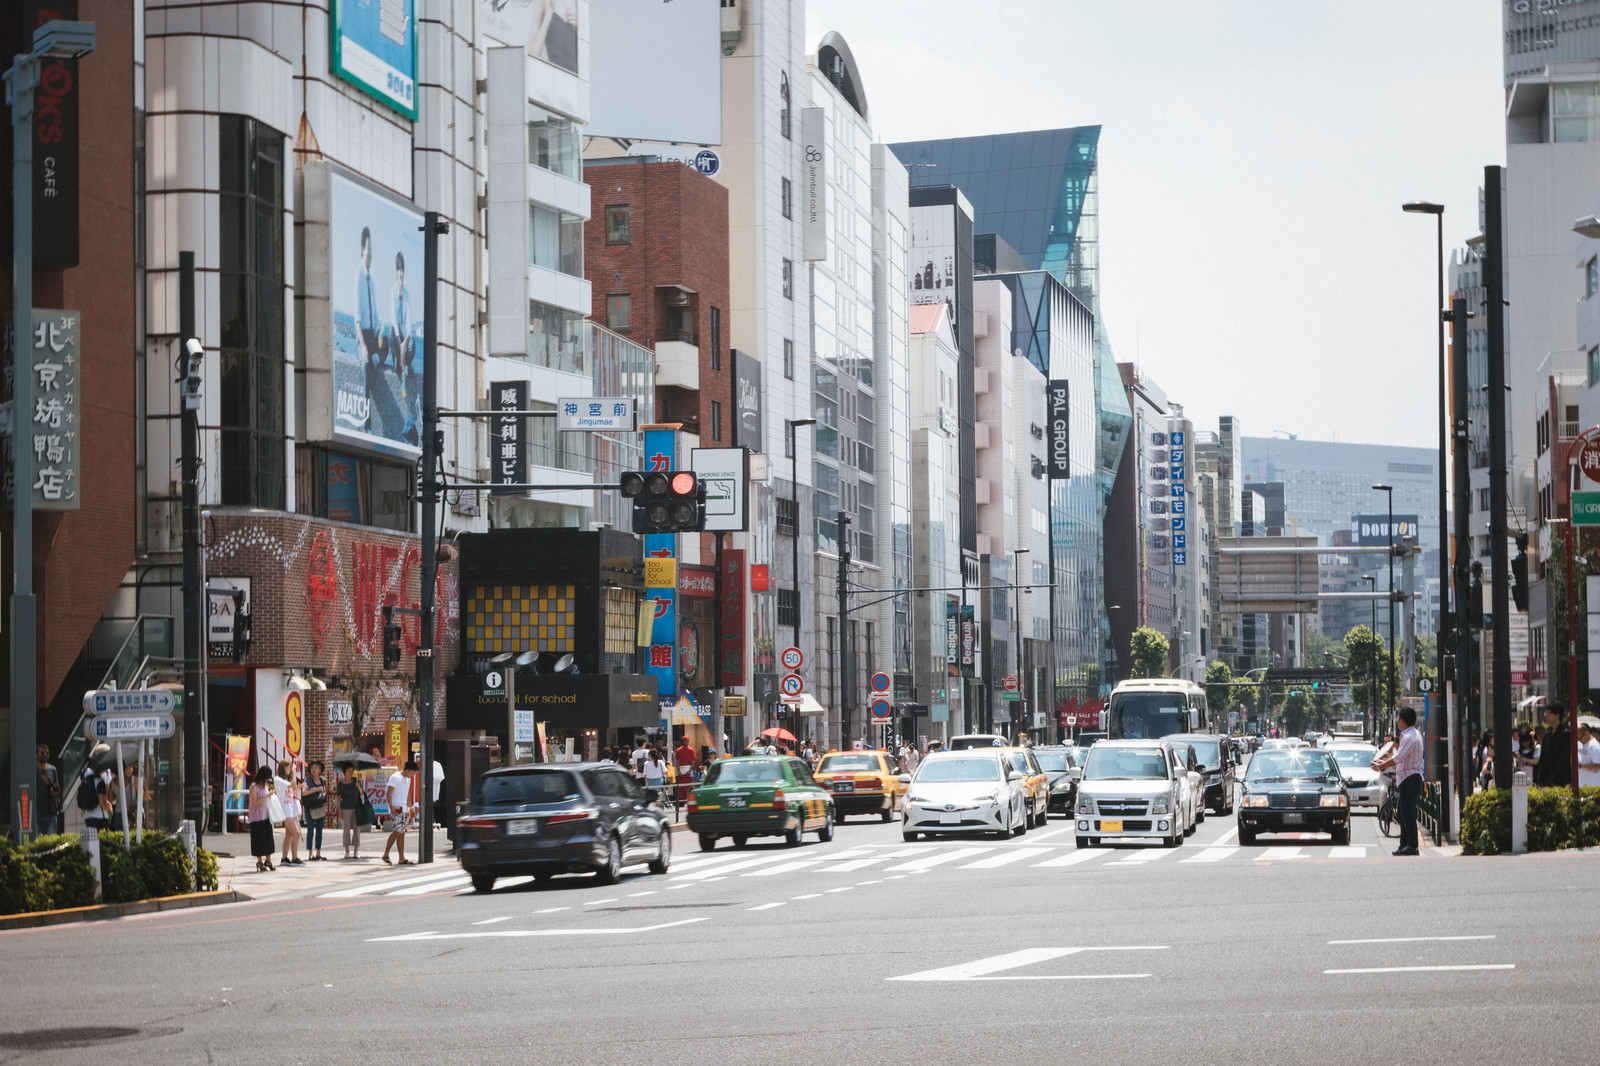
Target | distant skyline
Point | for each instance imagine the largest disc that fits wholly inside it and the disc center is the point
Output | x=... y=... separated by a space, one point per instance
x=1253 y=160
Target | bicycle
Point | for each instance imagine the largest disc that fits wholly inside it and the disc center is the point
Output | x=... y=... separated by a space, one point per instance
x=665 y=797
x=1386 y=809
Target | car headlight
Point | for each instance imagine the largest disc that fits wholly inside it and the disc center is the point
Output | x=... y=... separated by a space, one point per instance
x=1085 y=805
x=912 y=797
x=1255 y=801
x=991 y=796
x=1160 y=806
x=1336 y=800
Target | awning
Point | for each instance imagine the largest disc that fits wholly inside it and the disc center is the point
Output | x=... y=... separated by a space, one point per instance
x=806 y=704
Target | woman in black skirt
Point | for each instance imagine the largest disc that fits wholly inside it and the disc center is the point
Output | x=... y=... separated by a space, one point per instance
x=261 y=842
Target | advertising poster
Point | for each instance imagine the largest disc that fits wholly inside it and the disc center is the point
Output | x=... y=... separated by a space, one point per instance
x=53 y=427
x=55 y=143
x=395 y=734
x=731 y=665
x=508 y=436
x=661 y=453
x=374 y=48
x=933 y=262
x=375 y=242
x=547 y=28
x=236 y=775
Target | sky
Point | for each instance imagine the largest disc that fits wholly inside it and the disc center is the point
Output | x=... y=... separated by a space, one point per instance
x=1253 y=158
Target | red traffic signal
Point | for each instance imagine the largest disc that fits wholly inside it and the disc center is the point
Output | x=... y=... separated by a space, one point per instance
x=665 y=501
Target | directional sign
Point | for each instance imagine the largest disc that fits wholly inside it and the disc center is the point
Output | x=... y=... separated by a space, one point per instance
x=133 y=700
x=881 y=682
x=605 y=413
x=156 y=726
x=1586 y=508
x=792 y=659
x=792 y=684
x=1010 y=697
x=524 y=727
x=881 y=709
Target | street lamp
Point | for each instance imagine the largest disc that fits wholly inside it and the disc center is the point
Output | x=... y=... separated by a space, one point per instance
x=1394 y=687
x=789 y=427
x=1185 y=665
x=1016 y=634
x=56 y=39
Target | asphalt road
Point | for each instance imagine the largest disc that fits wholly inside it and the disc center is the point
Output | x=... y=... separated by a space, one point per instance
x=865 y=950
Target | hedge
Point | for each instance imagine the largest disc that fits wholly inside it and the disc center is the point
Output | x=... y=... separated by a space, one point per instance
x=53 y=872
x=1486 y=820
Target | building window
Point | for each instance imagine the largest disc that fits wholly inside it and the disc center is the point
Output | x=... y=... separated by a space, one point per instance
x=783 y=98
x=1575 y=111
x=557 y=338
x=619 y=312
x=788 y=359
x=787 y=615
x=716 y=420
x=1591 y=278
x=250 y=388
x=716 y=338
x=554 y=144
x=617 y=224
x=787 y=196
x=1594 y=366
x=348 y=488
x=785 y=521
x=788 y=279
x=556 y=240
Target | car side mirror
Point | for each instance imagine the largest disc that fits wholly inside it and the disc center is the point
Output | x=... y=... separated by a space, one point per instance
x=904 y=779
x=1013 y=776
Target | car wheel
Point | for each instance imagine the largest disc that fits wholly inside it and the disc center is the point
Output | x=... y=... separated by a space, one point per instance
x=888 y=812
x=483 y=882
x=1083 y=842
x=1342 y=836
x=825 y=834
x=610 y=871
x=663 y=858
x=708 y=841
x=1200 y=814
x=795 y=836
x=740 y=840
x=1247 y=836
x=908 y=836
x=542 y=878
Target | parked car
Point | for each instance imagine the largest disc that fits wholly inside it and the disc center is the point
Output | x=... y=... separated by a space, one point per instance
x=972 y=791
x=1294 y=790
x=1218 y=767
x=1062 y=770
x=544 y=820
x=1365 y=786
x=1131 y=790
x=759 y=795
x=1035 y=786
x=862 y=782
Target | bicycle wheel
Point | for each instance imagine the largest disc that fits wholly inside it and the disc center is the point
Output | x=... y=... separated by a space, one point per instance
x=1386 y=817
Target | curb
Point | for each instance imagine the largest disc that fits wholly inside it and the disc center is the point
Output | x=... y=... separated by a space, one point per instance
x=102 y=912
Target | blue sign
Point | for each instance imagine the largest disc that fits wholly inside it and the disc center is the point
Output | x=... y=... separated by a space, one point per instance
x=130 y=701
x=661 y=453
x=707 y=162
x=880 y=708
x=374 y=47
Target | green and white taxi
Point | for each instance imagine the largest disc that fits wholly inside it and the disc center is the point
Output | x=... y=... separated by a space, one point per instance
x=760 y=795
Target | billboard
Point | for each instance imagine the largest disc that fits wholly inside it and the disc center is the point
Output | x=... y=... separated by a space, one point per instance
x=747 y=401
x=375 y=273
x=724 y=472
x=54 y=366
x=1059 y=431
x=374 y=48
x=676 y=49
x=814 y=184
x=548 y=29
x=933 y=259
x=1373 y=529
x=55 y=143
x=508 y=436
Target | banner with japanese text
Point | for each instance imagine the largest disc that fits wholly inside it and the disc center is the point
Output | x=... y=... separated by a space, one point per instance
x=52 y=422
x=661 y=453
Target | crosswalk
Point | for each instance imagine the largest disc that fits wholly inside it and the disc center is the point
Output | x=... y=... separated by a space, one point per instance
x=902 y=860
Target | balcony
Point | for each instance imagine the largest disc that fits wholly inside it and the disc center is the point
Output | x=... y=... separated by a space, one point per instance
x=677 y=365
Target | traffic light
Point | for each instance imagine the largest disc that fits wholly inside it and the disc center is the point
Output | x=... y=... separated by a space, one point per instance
x=665 y=501
x=391 y=638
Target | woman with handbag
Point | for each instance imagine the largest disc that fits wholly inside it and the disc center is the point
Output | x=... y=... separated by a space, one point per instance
x=261 y=843
x=352 y=811
x=314 y=801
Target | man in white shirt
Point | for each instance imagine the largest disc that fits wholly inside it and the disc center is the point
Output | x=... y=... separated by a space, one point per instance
x=1588 y=755
x=1407 y=764
x=399 y=796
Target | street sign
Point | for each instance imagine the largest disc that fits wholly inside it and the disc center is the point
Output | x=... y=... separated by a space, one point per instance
x=1072 y=719
x=792 y=659
x=157 y=726
x=881 y=709
x=1011 y=683
x=1586 y=508
x=494 y=684
x=791 y=684
x=1010 y=697
x=1424 y=684
x=524 y=729
x=881 y=682
x=604 y=413
x=1588 y=458
x=133 y=701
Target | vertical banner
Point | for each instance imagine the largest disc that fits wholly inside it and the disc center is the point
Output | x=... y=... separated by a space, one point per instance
x=1060 y=419
x=395 y=734
x=731 y=665
x=661 y=453
x=52 y=430
x=814 y=184
x=1178 y=473
x=55 y=143
x=969 y=641
x=508 y=436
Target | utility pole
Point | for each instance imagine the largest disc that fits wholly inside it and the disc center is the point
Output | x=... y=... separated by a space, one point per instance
x=1500 y=570
x=846 y=673
x=432 y=439
x=1462 y=492
x=195 y=632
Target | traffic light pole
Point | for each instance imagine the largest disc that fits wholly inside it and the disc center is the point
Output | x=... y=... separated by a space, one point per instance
x=1494 y=284
x=194 y=594
x=846 y=672
x=432 y=227
x=1462 y=492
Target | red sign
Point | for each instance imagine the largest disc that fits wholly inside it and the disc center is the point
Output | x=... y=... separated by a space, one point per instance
x=697 y=581
x=1588 y=458
x=1011 y=682
x=730 y=661
x=759 y=579
x=322 y=589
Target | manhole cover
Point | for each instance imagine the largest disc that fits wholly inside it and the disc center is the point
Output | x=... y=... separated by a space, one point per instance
x=81 y=1036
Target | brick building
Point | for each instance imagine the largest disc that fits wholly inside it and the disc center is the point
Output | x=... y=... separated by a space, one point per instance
x=656 y=255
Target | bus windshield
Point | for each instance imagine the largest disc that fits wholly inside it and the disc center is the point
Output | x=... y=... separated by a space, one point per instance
x=1148 y=715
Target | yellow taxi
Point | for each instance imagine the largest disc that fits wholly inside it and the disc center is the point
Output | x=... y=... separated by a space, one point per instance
x=862 y=782
x=1035 y=785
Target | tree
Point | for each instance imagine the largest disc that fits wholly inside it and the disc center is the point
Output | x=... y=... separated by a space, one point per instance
x=1368 y=665
x=1296 y=708
x=1219 y=690
x=1149 y=651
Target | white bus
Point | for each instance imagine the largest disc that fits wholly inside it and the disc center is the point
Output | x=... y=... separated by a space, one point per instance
x=1151 y=707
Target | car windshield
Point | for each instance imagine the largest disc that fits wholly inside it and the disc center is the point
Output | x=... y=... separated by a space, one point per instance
x=515 y=790
x=1300 y=764
x=743 y=771
x=1149 y=714
x=1125 y=764
x=936 y=770
x=1053 y=762
x=1353 y=758
x=1205 y=751
x=832 y=764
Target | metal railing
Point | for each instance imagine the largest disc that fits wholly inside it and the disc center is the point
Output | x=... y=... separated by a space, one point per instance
x=148 y=644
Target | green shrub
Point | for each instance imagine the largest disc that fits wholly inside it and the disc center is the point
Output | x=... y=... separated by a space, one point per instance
x=1486 y=820
x=205 y=870
x=48 y=873
x=157 y=866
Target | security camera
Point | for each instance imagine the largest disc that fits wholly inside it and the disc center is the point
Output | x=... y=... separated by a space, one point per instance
x=194 y=348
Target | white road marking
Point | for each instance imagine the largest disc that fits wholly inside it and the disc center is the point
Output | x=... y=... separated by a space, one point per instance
x=808 y=895
x=850 y=865
x=767 y=906
x=1412 y=939
x=842 y=888
x=1274 y=854
x=493 y=921
x=983 y=969
x=782 y=868
x=860 y=884
x=731 y=866
x=597 y=902
x=1140 y=856
x=1041 y=834
x=636 y=895
x=1071 y=858
x=1007 y=857
x=1214 y=854
x=1229 y=835
x=513 y=933
x=669 y=888
x=1354 y=851
x=1427 y=969
x=438 y=886
x=552 y=910
x=938 y=858
x=385 y=886
x=896 y=877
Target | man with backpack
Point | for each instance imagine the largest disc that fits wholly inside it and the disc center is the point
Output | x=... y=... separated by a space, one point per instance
x=94 y=798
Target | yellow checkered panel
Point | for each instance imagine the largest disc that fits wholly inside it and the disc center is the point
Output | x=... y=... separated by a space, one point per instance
x=517 y=617
x=622 y=619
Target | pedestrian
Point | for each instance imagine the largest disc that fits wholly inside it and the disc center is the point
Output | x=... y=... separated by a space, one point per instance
x=655 y=773
x=1407 y=764
x=94 y=798
x=287 y=786
x=350 y=803
x=636 y=759
x=260 y=814
x=438 y=784
x=1527 y=753
x=605 y=757
x=1588 y=754
x=48 y=802
x=1554 y=766
x=1485 y=760
x=314 y=800
x=685 y=760
x=399 y=797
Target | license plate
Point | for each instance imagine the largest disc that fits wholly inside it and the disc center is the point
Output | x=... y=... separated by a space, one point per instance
x=844 y=786
x=736 y=801
x=522 y=827
x=949 y=817
x=1111 y=827
x=1294 y=819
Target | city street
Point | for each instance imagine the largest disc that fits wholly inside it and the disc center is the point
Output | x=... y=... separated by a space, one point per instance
x=865 y=950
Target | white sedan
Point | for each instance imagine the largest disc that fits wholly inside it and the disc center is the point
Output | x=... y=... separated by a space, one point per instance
x=1366 y=786
x=971 y=791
